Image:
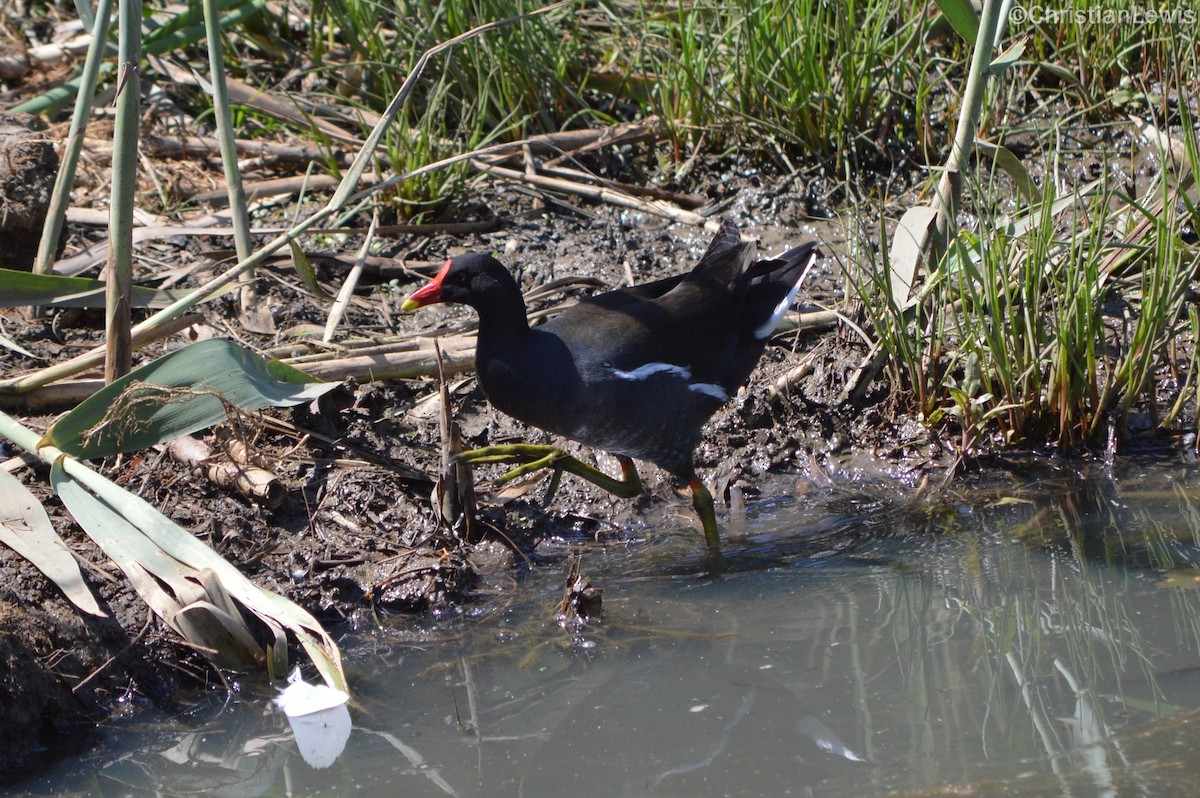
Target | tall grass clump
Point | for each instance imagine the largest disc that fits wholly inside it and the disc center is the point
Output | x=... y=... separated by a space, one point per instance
x=808 y=76
x=1095 y=51
x=1046 y=317
x=806 y=79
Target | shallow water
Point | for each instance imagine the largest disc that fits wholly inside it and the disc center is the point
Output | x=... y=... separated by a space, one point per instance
x=1031 y=635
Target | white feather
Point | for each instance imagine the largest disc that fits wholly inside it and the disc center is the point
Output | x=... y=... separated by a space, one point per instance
x=682 y=372
x=768 y=326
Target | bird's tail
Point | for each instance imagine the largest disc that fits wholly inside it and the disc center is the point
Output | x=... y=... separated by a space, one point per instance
x=774 y=284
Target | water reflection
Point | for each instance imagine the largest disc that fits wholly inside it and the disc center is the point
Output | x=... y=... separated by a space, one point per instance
x=239 y=753
x=1014 y=636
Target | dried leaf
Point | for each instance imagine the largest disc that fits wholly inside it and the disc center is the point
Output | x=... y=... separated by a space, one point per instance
x=909 y=242
x=26 y=529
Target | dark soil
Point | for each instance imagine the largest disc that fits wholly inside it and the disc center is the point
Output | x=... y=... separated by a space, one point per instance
x=28 y=163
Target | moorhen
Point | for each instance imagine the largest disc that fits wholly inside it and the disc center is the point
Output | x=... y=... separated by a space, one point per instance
x=636 y=371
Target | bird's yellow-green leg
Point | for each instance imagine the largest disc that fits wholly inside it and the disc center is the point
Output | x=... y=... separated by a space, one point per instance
x=702 y=501
x=533 y=457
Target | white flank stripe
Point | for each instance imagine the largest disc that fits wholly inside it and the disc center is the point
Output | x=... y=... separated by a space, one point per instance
x=768 y=326
x=650 y=369
x=709 y=388
x=683 y=372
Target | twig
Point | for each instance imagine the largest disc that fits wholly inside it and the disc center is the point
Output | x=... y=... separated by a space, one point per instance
x=599 y=194
x=629 y=133
x=113 y=658
x=203 y=147
x=338 y=309
x=259 y=189
x=689 y=201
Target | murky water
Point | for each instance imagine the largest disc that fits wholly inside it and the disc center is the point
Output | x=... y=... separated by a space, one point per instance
x=1030 y=636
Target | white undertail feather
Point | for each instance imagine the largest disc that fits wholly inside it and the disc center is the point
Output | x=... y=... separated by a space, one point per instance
x=768 y=326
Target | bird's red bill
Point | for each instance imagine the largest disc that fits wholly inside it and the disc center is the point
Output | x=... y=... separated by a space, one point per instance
x=430 y=293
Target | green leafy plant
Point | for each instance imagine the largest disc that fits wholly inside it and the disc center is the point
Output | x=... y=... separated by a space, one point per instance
x=194 y=590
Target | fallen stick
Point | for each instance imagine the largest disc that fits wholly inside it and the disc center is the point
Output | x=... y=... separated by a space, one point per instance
x=566 y=144
x=600 y=194
x=785 y=384
x=258 y=189
x=689 y=201
x=458 y=355
x=627 y=133
x=202 y=147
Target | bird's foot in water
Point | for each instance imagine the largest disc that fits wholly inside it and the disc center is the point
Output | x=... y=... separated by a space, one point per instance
x=702 y=502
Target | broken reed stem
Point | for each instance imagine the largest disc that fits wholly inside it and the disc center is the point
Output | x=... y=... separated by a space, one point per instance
x=252 y=481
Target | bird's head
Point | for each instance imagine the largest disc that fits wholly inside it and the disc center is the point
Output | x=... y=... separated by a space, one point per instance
x=464 y=280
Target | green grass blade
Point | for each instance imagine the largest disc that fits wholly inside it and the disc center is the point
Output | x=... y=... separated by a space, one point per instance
x=305 y=270
x=225 y=135
x=65 y=179
x=23 y=289
x=181 y=392
x=118 y=357
x=962 y=17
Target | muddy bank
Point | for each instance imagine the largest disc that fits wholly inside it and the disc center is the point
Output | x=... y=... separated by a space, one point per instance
x=357 y=536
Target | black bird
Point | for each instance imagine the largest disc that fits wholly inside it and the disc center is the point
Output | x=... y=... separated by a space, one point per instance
x=636 y=371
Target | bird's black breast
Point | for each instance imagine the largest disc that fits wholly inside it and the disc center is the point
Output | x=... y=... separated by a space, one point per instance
x=533 y=379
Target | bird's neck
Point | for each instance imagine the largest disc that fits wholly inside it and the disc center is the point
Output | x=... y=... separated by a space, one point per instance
x=503 y=315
